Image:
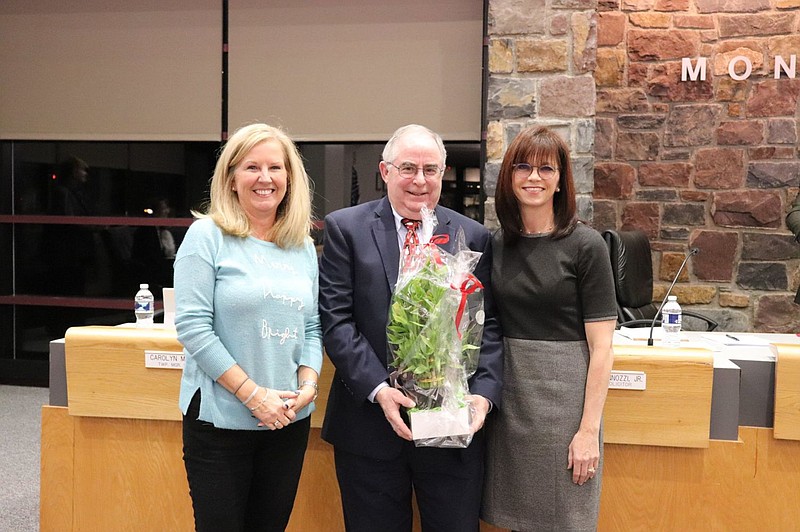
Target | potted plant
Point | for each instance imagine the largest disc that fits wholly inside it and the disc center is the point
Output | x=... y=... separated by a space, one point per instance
x=434 y=335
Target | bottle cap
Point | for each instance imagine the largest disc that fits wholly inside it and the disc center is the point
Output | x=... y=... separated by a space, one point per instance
x=672 y=298
x=144 y=286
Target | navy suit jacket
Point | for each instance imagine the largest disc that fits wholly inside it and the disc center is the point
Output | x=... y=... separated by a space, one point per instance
x=358 y=270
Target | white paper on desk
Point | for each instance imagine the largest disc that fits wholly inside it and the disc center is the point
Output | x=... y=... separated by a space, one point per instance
x=641 y=333
x=734 y=340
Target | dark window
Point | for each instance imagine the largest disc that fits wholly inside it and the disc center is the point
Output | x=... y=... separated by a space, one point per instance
x=81 y=225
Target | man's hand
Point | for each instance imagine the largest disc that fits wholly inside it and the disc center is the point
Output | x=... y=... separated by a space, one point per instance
x=479 y=407
x=391 y=399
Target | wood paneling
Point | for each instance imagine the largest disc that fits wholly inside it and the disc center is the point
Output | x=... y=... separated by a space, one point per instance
x=325 y=380
x=107 y=377
x=56 y=478
x=787 y=392
x=674 y=410
x=746 y=485
x=129 y=475
x=318 y=505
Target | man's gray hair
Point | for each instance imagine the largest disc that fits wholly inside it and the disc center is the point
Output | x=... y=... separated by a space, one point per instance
x=389 y=150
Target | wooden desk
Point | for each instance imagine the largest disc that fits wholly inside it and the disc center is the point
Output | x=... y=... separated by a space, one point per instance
x=674 y=410
x=112 y=460
x=116 y=466
x=787 y=392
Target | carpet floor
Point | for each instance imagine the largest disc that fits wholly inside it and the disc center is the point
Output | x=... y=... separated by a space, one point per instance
x=20 y=438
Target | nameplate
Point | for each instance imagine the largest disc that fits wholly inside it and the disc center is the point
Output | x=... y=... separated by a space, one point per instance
x=164 y=359
x=627 y=380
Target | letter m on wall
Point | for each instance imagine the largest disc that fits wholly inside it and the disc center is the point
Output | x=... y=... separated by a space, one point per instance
x=692 y=73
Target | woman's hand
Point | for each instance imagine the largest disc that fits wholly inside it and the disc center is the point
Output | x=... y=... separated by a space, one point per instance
x=305 y=396
x=273 y=408
x=584 y=456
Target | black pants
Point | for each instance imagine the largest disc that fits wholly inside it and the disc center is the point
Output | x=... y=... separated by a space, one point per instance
x=376 y=494
x=242 y=479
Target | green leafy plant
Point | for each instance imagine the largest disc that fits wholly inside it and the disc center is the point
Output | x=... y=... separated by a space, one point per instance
x=422 y=332
x=417 y=341
x=435 y=324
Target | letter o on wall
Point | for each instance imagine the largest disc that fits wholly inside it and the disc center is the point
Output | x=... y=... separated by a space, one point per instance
x=732 y=68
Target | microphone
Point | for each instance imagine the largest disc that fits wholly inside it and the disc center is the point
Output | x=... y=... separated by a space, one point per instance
x=693 y=251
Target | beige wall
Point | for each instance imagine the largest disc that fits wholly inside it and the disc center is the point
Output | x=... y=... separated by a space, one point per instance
x=110 y=70
x=149 y=70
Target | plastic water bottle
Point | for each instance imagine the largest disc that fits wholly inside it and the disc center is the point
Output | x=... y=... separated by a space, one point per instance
x=671 y=322
x=144 y=306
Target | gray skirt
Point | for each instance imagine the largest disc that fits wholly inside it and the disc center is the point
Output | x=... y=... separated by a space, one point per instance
x=527 y=484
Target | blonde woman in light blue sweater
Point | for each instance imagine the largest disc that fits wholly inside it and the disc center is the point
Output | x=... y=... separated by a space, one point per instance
x=246 y=313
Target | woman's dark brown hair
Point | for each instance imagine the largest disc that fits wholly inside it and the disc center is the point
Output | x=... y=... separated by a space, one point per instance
x=536 y=145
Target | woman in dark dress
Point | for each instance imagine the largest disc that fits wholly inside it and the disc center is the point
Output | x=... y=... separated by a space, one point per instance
x=555 y=295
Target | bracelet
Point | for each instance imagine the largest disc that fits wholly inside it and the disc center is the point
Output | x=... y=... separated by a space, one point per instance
x=253 y=394
x=240 y=386
x=314 y=385
x=263 y=400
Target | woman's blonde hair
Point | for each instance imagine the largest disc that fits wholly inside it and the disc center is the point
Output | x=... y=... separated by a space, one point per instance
x=294 y=217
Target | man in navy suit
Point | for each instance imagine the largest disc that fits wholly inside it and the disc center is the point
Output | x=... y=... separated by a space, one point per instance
x=377 y=464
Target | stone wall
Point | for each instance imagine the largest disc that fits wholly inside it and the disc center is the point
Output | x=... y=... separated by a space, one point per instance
x=711 y=164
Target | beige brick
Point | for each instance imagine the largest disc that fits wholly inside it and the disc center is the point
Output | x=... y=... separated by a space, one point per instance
x=610 y=70
x=730 y=299
x=501 y=56
x=672 y=5
x=509 y=17
x=703 y=22
x=735 y=110
x=732 y=44
x=670 y=262
x=722 y=61
x=651 y=20
x=494 y=141
x=584 y=41
x=729 y=89
x=688 y=294
x=637 y=5
x=784 y=46
x=541 y=55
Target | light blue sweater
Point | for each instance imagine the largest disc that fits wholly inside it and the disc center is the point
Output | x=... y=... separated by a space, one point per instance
x=248 y=302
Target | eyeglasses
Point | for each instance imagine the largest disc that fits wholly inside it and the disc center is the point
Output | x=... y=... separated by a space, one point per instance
x=523 y=170
x=410 y=170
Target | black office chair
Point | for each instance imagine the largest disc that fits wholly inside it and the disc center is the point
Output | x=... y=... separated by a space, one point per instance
x=632 y=265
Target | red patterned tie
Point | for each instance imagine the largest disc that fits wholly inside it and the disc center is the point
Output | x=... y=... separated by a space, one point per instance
x=412 y=241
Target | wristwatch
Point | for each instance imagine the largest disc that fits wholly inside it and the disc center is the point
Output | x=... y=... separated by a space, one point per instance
x=312 y=384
